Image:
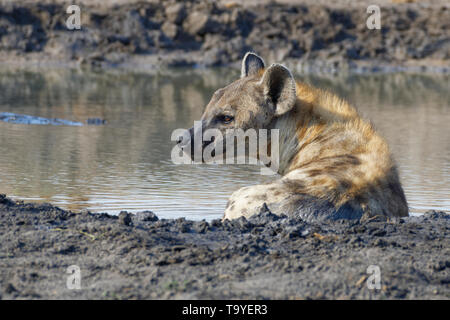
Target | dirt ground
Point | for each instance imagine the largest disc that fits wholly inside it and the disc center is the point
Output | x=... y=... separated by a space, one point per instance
x=138 y=256
x=309 y=36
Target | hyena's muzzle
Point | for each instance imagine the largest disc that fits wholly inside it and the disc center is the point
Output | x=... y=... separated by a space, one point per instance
x=193 y=143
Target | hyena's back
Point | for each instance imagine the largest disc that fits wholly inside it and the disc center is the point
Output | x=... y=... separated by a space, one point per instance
x=343 y=167
x=384 y=198
x=334 y=166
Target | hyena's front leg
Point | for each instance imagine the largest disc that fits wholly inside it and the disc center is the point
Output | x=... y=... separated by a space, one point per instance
x=248 y=201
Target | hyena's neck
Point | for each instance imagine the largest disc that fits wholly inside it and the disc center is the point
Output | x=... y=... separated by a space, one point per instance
x=322 y=126
x=288 y=141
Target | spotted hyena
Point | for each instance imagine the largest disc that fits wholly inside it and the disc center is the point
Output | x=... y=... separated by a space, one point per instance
x=332 y=163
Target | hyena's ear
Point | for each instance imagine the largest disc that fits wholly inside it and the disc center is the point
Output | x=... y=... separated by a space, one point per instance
x=279 y=86
x=251 y=64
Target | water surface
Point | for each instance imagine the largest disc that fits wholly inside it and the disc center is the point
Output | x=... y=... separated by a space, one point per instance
x=125 y=164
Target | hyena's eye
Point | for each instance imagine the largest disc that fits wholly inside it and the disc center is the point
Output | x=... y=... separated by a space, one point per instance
x=226 y=119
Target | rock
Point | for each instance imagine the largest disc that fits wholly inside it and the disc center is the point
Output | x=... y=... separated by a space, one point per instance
x=10 y=288
x=185 y=228
x=159 y=39
x=125 y=218
x=146 y=216
x=133 y=24
x=176 y=13
x=242 y=224
x=200 y=227
x=439 y=265
x=264 y=216
x=170 y=29
x=296 y=232
x=216 y=223
x=196 y=23
x=433 y=214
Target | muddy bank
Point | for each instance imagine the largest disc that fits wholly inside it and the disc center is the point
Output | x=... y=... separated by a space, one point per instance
x=311 y=36
x=141 y=256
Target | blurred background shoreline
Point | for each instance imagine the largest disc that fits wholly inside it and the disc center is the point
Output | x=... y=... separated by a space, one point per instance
x=308 y=36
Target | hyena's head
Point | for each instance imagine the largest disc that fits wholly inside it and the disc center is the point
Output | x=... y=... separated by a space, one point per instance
x=252 y=102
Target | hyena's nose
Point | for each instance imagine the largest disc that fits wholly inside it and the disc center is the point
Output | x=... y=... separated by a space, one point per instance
x=185 y=139
x=182 y=141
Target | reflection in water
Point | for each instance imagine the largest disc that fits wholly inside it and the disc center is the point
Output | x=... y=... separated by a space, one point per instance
x=125 y=165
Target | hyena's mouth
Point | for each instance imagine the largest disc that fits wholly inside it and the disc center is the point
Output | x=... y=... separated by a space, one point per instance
x=213 y=152
x=204 y=145
x=190 y=147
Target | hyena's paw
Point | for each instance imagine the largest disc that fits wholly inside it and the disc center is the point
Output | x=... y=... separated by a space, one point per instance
x=248 y=201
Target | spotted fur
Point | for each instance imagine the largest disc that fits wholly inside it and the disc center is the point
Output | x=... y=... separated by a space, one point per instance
x=333 y=163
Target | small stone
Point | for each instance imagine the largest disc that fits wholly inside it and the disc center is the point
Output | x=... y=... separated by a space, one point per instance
x=438 y=265
x=264 y=216
x=297 y=232
x=170 y=29
x=10 y=288
x=216 y=223
x=380 y=243
x=185 y=228
x=379 y=233
x=146 y=216
x=196 y=23
x=176 y=13
x=125 y=218
x=201 y=227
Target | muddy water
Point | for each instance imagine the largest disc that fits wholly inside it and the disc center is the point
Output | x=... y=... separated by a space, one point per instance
x=125 y=164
